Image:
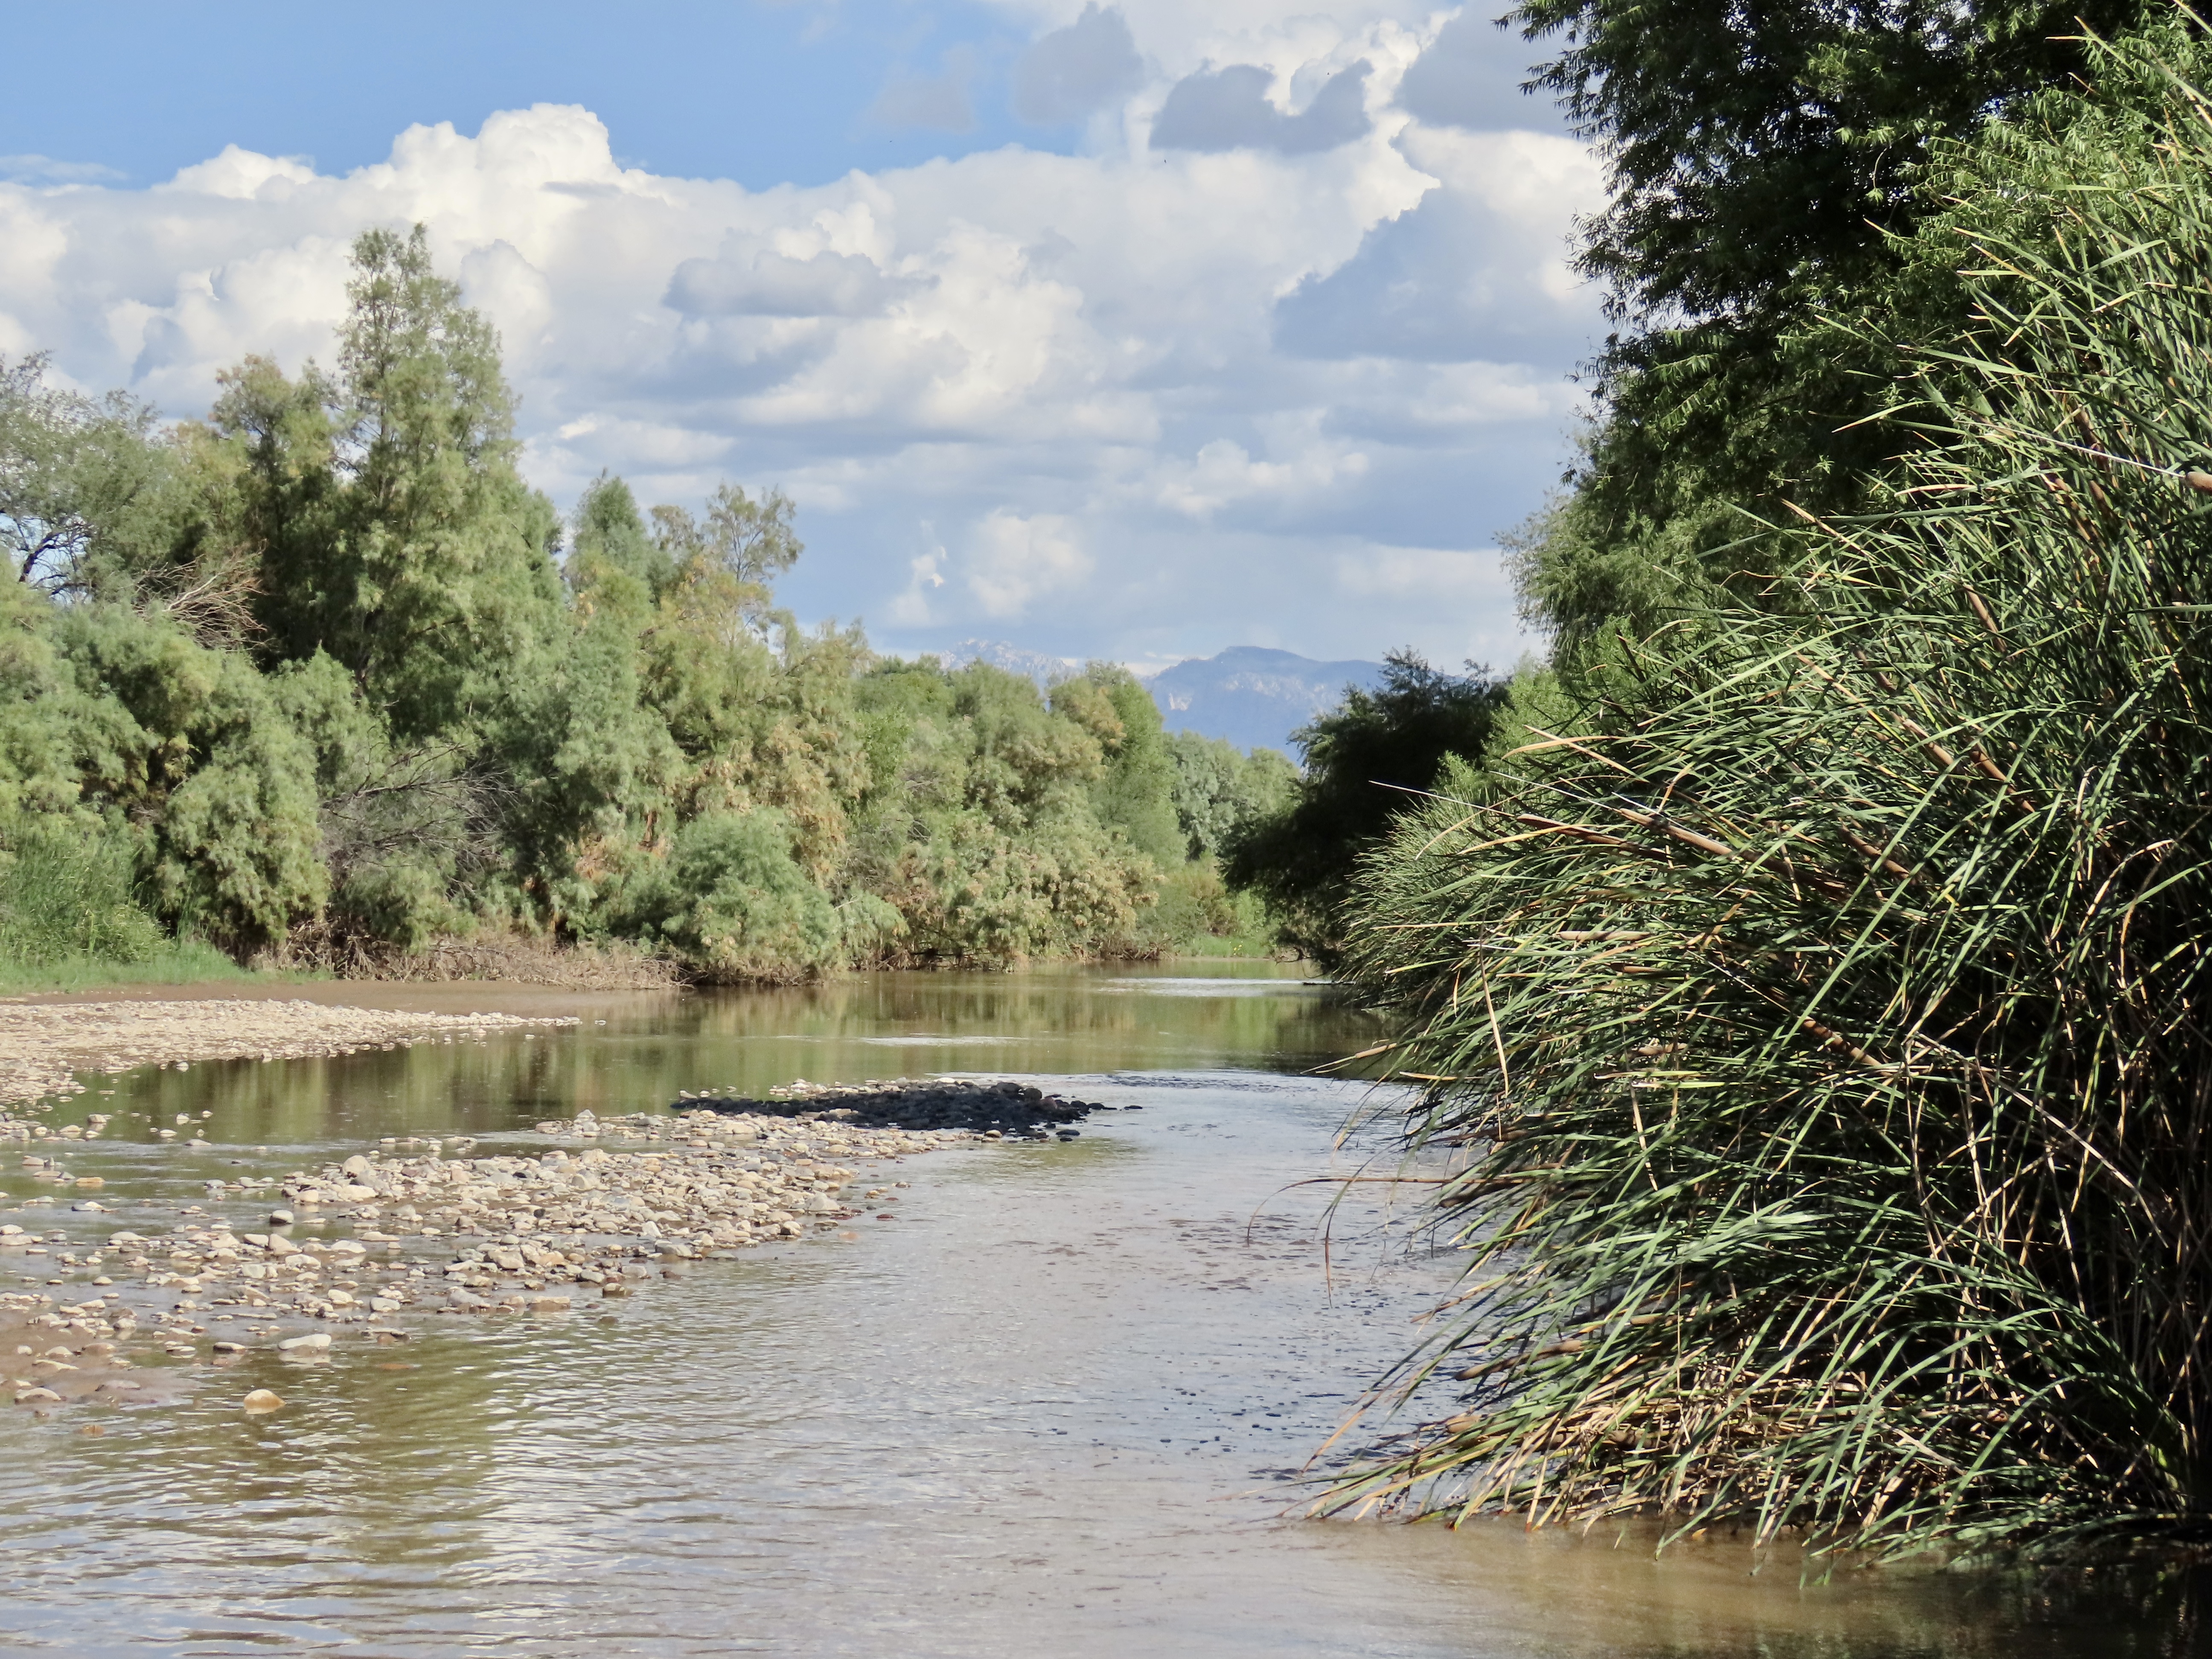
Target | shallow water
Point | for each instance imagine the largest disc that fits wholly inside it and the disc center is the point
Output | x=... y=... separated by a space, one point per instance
x=1059 y=1407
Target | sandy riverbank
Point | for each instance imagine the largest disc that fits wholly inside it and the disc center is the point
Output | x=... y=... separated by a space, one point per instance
x=43 y=1044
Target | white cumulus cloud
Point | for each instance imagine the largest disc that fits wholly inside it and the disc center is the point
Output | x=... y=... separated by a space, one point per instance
x=1018 y=561
x=1139 y=399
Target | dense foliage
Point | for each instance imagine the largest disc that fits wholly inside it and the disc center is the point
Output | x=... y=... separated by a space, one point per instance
x=1769 y=168
x=322 y=678
x=1825 y=1004
x=1367 y=762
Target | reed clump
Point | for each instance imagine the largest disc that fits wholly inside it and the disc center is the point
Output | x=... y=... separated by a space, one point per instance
x=67 y=894
x=1828 y=1015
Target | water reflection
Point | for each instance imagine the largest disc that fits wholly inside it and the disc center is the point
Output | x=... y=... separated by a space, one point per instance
x=1057 y=1407
x=633 y=1053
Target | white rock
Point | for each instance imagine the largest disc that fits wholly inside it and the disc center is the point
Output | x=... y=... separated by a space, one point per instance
x=314 y=1344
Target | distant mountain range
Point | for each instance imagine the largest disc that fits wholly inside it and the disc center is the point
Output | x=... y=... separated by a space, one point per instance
x=1015 y=660
x=1252 y=695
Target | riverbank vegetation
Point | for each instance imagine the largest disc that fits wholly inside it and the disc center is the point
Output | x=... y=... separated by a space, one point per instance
x=1367 y=761
x=1818 y=985
x=321 y=681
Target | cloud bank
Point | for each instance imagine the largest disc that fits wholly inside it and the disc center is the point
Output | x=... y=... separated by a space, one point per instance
x=1270 y=360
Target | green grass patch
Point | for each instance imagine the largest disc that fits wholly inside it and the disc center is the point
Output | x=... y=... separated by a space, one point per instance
x=177 y=962
x=69 y=920
x=1823 y=1016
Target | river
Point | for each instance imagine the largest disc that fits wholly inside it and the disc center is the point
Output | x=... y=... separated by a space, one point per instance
x=1060 y=1406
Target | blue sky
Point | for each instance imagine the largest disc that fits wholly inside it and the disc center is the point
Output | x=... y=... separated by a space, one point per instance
x=763 y=95
x=1133 y=331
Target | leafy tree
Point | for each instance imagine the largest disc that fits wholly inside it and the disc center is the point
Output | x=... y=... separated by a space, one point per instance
x=1765 y=167
x=310 y=664
x=77 y=475
x=731 y=901
x=746 y=542
x=1135 y=790
x=1365 y=760
x=982 y=826
x=1217 y=789
x=611 y=538
x=398 y=535
x=37 y=759
x=394 y=825
x=192 y=746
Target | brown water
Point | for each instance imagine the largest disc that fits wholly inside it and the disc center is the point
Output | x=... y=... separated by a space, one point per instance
x=1059 y=1407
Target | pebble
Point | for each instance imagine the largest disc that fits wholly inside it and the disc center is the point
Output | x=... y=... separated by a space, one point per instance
x=262 y=1400
x=438 y=1231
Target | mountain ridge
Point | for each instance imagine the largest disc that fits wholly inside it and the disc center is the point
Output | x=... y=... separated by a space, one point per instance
x=1253 y=695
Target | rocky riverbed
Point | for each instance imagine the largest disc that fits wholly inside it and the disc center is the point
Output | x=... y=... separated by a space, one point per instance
x=43 y=1044
x=411 y=1228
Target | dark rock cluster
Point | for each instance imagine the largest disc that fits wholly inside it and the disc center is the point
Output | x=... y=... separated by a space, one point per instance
x=1002 y=1109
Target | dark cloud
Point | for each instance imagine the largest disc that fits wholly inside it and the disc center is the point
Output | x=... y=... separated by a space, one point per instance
x=1067 y=75
x=1448 y=281
x=1228 y=109
x=776 y=285
x=1471 y=77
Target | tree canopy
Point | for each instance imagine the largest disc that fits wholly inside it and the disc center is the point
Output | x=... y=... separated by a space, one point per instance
x=1767 y=170
x=332 y=682
x=1367 y=760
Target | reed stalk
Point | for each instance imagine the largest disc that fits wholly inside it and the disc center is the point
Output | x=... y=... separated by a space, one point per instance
x=1832 y=1013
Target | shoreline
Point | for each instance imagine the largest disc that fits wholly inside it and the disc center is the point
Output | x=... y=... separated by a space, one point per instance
x=43 y=1046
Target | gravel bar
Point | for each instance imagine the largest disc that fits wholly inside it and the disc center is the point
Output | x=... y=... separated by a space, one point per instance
x=42 y=1045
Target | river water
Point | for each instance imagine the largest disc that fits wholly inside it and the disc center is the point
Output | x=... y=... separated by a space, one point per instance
x=1059 y=1407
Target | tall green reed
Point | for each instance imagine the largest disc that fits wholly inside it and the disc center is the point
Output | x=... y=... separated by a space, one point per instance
x=1828 y=1014
x=66 y=895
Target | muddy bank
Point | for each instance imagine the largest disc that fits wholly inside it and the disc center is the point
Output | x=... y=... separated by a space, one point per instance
x=42 y=1044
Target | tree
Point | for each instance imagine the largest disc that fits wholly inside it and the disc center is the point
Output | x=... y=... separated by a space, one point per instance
x=1762 y=170
x=1135 y=790
x=1217 y=789
x=610 y=537
x=742 y=541
x=1365 y=762
x=76 y=473
x=306 y=676
x=396 y=534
